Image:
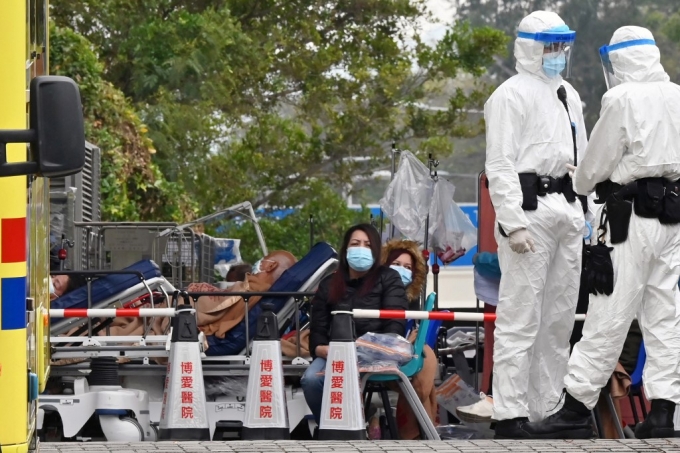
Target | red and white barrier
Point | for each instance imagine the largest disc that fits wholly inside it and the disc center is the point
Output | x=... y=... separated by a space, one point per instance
x=431 y=315
x=112 y=312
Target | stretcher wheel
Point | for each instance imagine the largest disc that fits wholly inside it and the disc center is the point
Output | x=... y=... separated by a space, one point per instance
x=52 y=430
x=154 y=428
x=136 y=424
x=121 y=429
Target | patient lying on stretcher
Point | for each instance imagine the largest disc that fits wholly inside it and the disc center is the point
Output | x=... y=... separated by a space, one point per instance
x=62 y=284
x=216 y=315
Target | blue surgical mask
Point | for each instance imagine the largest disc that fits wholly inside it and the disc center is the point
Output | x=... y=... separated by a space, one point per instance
x=51 y=286
x=404 y=273
x=554 y=63
x=359 y=258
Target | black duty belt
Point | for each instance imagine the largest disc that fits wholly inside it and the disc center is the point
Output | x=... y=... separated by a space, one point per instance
x=628 y=191
x=547 y=184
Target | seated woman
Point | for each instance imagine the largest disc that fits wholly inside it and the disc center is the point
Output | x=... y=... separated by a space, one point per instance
x=360 y=282
x=404 y=256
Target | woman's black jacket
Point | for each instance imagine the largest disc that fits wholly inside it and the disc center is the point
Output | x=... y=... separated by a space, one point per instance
x=387 y=293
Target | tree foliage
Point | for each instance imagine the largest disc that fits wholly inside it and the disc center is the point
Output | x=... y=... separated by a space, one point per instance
x=594 y=21
x=132 y=187
x=324 y=218
x=256 y=99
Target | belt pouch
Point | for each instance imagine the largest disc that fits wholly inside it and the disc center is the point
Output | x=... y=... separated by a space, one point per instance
x=618 y=217
x=529 y=183
x=568 y=189
x=649 y=201
x=604 y=189
x=671 y=204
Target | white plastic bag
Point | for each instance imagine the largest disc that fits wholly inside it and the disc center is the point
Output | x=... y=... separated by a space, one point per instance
x=407 y=199
x=454 y=392
x=382 y=351
x=383 y=348
x=450 y=229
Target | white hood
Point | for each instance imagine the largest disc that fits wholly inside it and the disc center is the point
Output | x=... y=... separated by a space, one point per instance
x=636 y=63
x=528 y=52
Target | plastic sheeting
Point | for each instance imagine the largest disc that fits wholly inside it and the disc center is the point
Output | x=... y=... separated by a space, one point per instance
x=413 y=195
x=450 y=229
x=407 y=198
x=388 y=349
x=458 y=432
x=381 y=352
x=454 y=393
x=461 y=339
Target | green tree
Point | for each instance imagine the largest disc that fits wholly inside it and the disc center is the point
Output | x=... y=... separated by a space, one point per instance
x=330 y=218
x=594 y=21
x=254 y=99
x=132 y=187
x=663 y=19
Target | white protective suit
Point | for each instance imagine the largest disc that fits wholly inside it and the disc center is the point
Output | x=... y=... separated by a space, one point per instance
x=637 y=136
x=528 y=130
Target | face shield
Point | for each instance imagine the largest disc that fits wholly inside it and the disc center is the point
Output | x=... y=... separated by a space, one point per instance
x=605 y=51
x=558 y=46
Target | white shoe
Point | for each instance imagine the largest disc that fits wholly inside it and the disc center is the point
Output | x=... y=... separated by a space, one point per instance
x=480 y=412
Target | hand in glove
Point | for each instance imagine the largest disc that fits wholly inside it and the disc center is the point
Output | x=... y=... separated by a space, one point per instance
x=521 y=241
x=599 y=269
x=572 y=169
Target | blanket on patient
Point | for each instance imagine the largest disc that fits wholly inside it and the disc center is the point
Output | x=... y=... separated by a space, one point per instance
x=216 y=315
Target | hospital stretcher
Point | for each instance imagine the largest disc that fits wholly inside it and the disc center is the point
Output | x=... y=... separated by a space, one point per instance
x=143 y=375
x=117 y=289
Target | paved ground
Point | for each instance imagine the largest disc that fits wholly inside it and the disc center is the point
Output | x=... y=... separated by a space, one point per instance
x=590 y=446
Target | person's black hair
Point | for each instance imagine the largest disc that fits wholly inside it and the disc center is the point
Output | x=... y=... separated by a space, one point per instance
x=74 y=282
x=237 y=272
x=338 y=285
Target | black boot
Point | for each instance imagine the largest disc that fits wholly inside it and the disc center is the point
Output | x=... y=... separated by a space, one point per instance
x=511 y=429
x=659 y=422
x=571 y=422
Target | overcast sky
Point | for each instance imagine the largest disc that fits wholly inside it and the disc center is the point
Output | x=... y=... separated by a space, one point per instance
x=444 y=11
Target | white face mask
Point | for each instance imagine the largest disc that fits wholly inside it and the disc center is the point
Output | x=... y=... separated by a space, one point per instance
x=52 y=287
x=257 y=267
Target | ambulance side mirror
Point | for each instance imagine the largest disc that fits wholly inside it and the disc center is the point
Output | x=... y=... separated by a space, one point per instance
x=56 y=134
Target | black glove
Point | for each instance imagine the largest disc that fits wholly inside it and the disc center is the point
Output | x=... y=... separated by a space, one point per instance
x=599 y=269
